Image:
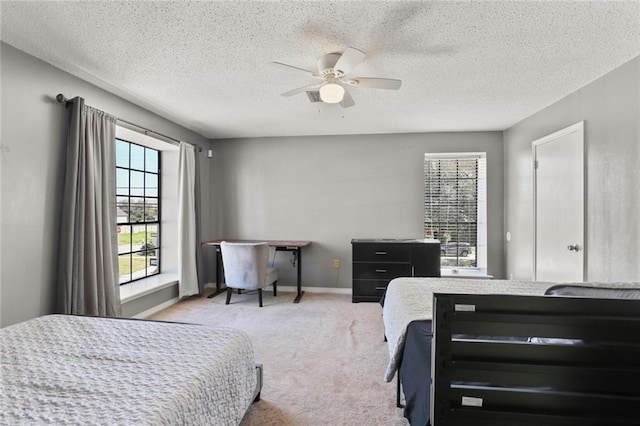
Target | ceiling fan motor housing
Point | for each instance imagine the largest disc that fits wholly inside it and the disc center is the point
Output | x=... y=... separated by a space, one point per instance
x=326 y=64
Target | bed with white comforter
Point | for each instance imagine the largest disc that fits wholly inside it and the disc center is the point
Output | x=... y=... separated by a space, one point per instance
x=61 y=369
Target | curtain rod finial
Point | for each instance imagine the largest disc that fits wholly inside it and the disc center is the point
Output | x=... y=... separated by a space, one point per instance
x=61 y=98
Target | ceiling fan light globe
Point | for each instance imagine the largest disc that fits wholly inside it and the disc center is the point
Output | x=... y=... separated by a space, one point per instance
x=331 y=93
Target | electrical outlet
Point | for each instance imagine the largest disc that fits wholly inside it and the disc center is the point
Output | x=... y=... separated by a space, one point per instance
x=336 y=263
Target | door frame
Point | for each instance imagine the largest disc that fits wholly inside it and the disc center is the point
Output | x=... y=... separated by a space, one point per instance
x=577 y=127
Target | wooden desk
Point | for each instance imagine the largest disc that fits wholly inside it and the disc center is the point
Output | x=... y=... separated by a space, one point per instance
x=295 y=247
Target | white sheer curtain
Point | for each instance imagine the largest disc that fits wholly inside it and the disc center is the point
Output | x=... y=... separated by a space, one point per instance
x=88 y=281
x=187 y=236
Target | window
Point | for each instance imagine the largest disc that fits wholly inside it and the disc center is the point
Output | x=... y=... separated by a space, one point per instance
x=455 y=207
x=138 y=210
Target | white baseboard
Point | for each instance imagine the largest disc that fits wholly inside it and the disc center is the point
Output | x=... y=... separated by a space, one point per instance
x=293 y=289
x=156 y=309
x=283 y=288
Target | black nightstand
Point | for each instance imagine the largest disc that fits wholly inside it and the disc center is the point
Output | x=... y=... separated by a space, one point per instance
x=376 y=262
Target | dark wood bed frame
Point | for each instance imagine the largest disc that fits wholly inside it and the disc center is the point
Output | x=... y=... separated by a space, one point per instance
x=487 y=369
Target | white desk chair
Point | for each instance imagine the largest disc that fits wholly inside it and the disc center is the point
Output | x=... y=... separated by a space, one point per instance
x=246 y=268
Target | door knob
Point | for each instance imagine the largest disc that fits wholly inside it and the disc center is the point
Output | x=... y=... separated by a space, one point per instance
x=574 y=247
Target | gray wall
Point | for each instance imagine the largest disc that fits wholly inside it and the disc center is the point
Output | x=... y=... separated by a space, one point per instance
x=331 y=189
x=610 y=108
x=143 y=304
x=33 y=160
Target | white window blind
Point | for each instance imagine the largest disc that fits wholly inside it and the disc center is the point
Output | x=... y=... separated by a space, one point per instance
x=455 y=207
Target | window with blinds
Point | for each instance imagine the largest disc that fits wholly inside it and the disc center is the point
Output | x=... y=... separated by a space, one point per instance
x=455 y=207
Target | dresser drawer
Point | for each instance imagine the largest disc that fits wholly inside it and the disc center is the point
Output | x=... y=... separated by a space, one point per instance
x=381 y=252
x=380 y=271
x=369 y=289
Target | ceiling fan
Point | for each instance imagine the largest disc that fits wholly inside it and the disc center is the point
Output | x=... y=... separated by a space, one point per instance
x=333 y=70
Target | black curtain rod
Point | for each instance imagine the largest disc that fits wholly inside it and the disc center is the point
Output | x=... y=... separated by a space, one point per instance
x=64 y=100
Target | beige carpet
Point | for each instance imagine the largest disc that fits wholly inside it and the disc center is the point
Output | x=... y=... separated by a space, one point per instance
x=324 y=358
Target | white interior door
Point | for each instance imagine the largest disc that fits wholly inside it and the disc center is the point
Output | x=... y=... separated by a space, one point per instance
x=559 y=244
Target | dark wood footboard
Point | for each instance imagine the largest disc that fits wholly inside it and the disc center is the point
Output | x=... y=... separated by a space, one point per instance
x=529 y=360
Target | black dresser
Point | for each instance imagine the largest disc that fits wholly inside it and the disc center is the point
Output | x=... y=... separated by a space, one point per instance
x=376 y=262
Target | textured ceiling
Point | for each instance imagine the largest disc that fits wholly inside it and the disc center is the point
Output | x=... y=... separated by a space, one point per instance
x=464 y=65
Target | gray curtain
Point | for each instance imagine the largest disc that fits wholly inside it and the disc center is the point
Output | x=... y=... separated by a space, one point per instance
x=88 y=279
x=187 y=242
x=199 y=264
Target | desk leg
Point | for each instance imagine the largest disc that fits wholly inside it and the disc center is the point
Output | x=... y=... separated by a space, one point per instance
x=218 y=273
x=298 y=254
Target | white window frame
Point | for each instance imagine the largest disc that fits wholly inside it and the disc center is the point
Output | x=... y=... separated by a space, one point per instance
x=169 y=221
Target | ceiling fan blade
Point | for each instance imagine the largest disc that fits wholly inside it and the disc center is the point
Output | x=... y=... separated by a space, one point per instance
x=301 y=89
x=349 y=60
x=347 y=101
x=280 y=64
x=376 y=83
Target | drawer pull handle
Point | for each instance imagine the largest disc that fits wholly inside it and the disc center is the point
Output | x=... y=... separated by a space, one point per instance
x=381 y=252
x=381 y=288
x=381 y=271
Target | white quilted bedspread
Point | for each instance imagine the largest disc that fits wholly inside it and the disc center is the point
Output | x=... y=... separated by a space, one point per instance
x=66 y=370
x=410 y=299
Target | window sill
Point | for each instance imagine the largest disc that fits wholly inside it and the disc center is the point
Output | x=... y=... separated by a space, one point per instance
x=140 y=288
x=465 y=273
